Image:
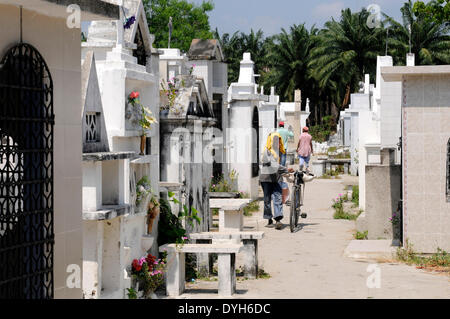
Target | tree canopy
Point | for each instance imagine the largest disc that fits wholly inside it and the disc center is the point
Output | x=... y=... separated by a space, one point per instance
x=189 y=21
x=326 y=64
x=436 y=10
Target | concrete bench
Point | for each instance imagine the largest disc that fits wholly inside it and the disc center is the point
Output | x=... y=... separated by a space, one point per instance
x=249 y=251
x=231 y=214
x=322 y=165
x=176 y=271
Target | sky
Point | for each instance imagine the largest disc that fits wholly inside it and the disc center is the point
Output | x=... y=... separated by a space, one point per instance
x=230 y=16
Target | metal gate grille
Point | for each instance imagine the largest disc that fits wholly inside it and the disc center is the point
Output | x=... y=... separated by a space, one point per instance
x=256 y=153
x=26 y=175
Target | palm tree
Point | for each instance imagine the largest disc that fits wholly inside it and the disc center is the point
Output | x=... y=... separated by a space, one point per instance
x=231 y=48
x=288 y=56
x=234 y=47
x=346 y=50
x=430 y=40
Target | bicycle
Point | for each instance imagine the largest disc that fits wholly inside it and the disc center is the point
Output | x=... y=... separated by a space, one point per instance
x=297 y=198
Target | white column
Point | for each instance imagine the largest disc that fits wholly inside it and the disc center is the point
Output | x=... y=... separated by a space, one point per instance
x=227 y=274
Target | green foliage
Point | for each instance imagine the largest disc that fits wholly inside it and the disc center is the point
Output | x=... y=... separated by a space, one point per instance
x=329 y=63
x=330 y=174
x=190 y=21
x=321 y=132
x=355 y=195
x=430 y=40
x=436 y=10
x=345 y=51
x=362 y=235
x=132 y=294
x=439 y=260
x=340 y=213
x=252 y=207
x=288 y=56
x=262 y=274
x=170 y=229
x=234 y=46
x=220 y=184
x=190 y=217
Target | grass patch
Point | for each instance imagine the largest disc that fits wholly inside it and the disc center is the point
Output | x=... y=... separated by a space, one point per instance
x=250 y=208
x=362 y=235
x=344 y=155
x=262 y=274
x=331 y=174
x=439 y=261
x=341 y=214
x=355 y=195
x=339 y=211
x=332 y=149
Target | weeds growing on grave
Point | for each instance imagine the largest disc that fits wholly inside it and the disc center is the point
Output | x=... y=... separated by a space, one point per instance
x=331 y=174
x=439 y=261
x=250 y=208
x=262 y=274
x=340 y=213
x=362 y=235
x=221 y=185
x=355 y=195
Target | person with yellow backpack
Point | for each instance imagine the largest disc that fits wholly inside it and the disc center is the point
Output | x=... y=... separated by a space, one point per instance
x=271 y=178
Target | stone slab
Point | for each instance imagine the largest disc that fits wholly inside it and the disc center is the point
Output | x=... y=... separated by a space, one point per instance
x=370 y=249
x=107 y=212
x=228 y=235
x=223 y=195
x=108 y=156
x=204 y=248
x=229 y=204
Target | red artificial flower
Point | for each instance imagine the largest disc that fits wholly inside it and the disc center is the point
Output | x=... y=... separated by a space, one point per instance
x=134 y=95
x=136 y=265
x=150 y=261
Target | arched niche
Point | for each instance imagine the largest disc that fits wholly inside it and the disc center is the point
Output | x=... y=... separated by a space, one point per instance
x=26 y=175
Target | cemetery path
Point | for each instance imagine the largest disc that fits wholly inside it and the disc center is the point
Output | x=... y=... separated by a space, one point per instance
x=310 y=263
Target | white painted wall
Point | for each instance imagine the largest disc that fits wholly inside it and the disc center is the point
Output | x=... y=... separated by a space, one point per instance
x=60 y=47
x=123 y=238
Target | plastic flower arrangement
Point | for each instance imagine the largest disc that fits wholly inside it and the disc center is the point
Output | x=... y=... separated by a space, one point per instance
x=129 y=22
x=143 y=189
x=149 y=272
x=146 y=119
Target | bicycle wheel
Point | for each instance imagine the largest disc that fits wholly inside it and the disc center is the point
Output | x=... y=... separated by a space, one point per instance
x=299 y=204
x=294 y=210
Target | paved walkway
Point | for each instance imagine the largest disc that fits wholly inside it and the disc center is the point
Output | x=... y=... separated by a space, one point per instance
x=310 y=263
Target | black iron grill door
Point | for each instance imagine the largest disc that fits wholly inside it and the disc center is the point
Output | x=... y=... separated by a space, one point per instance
x=26 y=175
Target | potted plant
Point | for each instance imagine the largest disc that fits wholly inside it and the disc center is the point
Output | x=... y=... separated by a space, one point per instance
x=169 y=94
x=146 y=119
